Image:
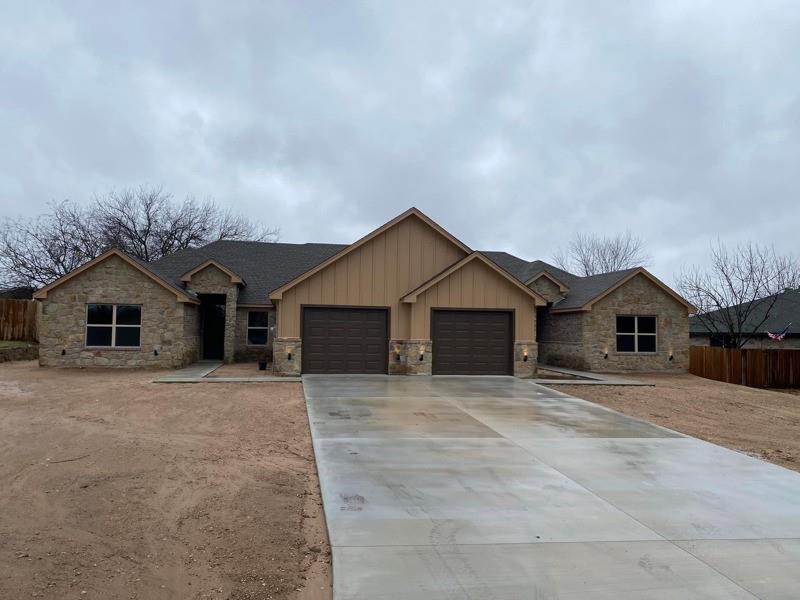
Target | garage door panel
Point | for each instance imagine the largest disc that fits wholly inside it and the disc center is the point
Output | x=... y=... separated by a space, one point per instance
x=345 y=340
x=472 y=342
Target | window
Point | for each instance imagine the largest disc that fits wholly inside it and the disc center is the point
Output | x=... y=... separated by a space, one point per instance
x=113 y=325
x=257 y=328
x=636 y=334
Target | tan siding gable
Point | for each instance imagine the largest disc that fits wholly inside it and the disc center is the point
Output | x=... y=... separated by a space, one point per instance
x=475 y=285
x=376 y=273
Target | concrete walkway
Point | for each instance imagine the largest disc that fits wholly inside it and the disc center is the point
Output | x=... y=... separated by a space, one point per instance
x=498 y=489
x=199 y=373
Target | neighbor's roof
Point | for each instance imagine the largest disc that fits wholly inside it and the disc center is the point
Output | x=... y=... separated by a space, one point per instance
x=264 y=266
x=786 y=311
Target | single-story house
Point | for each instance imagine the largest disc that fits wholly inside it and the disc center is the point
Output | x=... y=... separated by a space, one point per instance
x=408 y=298
x=777 y=314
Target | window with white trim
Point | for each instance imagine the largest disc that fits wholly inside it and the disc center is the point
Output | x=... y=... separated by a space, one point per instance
x=257 y=328
x=636 y=333
x=113 y=325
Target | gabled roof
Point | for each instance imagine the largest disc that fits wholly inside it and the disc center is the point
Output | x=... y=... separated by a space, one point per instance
x=235 y=278
x=277 y=293
x=785 y=313
x=597 y=287
x=262 y=265
x=181 y=294
x=562 y=287
x=412 y=295
x=582 y=292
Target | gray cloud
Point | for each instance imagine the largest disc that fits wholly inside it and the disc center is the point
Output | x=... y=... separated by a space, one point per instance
x=513 y=126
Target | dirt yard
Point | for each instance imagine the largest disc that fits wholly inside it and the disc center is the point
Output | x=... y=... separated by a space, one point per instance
x=762 y=423
x=115 y=487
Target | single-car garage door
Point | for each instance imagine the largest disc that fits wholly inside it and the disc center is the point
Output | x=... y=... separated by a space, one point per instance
x=345 y=340
x=472 y=342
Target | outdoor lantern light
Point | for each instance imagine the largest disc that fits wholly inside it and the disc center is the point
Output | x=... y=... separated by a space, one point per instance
x=605 y=355
x=289 y=353
x=670 y=356
x=525 y=355
x=422 y=352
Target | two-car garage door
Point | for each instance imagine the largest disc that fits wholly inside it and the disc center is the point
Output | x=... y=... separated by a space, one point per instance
x=355 y=340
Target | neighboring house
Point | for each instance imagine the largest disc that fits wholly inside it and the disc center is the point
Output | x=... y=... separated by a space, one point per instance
x=408 y=298
x=784 y=317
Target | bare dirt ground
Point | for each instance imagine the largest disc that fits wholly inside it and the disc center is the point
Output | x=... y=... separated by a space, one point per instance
x=115 y=487
x=762 y=423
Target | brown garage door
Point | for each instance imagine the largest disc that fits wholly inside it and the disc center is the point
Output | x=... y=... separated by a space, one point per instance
x=345 y=340
x=472 y=342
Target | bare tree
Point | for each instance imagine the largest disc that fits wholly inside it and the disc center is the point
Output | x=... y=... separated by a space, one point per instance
x=35 y=252
x=145 y=222
x=737 y=292
x=590 y=254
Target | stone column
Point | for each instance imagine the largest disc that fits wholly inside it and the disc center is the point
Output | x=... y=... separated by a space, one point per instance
x=231 y=298
x=287 y=356
x=419 y=357
x=397 y=357
x=525 y=356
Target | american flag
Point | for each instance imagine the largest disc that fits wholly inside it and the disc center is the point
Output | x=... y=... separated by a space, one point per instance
x=779 y=336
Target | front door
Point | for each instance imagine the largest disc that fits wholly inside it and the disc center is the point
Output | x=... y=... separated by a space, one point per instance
x=212 y=315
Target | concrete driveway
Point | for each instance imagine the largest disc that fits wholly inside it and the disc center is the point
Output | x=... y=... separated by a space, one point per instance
x=495 y=488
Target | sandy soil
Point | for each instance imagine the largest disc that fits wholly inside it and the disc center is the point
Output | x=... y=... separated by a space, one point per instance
x=762 y=423
x=115 y=487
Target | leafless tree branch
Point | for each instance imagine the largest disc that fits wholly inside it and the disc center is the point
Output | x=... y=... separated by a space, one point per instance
x=590 y=254
x=145 y=222
x=736 y=294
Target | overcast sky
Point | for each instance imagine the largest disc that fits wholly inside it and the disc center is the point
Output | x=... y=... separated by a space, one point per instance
x=513 y=125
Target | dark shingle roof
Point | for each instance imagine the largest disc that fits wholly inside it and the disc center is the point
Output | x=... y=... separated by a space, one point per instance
x=581 y=289
x=267 y=266
x=585 y=289
x=263 y=266
x=786 y=311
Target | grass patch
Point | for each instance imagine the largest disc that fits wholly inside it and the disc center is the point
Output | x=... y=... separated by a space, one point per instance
x=7 y=344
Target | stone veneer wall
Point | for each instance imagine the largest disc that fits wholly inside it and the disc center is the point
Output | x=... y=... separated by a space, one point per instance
x=547 y=289
x=213 y=281
x=191 y=333
x=242 y=352
x=639 y=296
x=113 y=281
x=560 y=339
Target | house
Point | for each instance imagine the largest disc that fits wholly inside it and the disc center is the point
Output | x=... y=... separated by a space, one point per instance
x=777 y=314
x=408 y=298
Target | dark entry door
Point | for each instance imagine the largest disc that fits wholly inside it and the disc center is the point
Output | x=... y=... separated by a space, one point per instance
x=345 y=340
x=212 y=323
x=472 y=342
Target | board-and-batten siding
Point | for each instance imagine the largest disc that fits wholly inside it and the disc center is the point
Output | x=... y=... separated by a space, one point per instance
x=475 y=285
x=378 y=273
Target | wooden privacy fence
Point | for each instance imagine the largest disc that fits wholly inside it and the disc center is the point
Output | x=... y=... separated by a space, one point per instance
x=18 y=320
x=750 y=367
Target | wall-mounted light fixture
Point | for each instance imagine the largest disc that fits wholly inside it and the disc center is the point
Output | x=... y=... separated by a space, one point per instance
x=670 y=356
x=289 y=353
x=525 y=355
x=421 y=352
x=605 y=355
